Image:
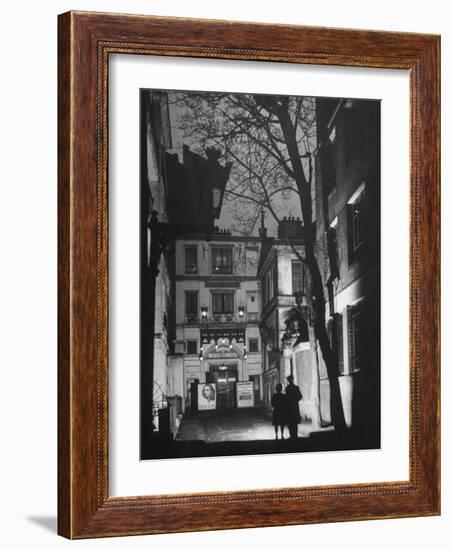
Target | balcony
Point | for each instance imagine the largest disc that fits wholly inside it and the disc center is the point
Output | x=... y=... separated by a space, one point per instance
x=206 y=317
x=222 y=318
x=192 y=319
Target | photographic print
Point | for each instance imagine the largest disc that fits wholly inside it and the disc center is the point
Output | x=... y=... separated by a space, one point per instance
x=259 y=274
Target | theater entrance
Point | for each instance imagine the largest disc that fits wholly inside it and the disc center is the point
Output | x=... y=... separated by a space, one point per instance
x=225 y=379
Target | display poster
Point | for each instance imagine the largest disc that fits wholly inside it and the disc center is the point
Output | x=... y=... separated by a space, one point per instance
x=245 y=394
x=207 y=397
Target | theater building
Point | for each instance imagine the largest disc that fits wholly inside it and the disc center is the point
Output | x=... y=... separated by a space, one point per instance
x=217 y=314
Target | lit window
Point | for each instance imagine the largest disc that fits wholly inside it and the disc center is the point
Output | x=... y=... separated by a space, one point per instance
x=332 y=249
x=221 y=260
x=356 y=223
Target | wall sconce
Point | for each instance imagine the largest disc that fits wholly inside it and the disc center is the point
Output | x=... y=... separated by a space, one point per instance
x=302 y=299
x=241 y=311
x=200 y=354
x=244 y=352
x=204 y=313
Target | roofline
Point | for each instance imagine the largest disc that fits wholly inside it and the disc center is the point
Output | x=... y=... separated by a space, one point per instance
x=212 y=237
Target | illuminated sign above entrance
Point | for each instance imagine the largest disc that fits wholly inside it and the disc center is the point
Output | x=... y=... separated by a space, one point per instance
x=222 y=355
x=216 y=334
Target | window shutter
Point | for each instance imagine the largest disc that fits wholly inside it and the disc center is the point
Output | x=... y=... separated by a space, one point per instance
x=351 y=352
x=339 y=342
x=350 y=248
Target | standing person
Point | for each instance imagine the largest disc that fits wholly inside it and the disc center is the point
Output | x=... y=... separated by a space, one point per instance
x=293 y=397
x=279 y=410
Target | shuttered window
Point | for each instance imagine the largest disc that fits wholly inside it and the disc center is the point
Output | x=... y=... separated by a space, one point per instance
x=339 y=341
x=355 y=330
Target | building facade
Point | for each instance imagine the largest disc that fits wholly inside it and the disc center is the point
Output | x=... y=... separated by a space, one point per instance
x=286 y=348
x=179 y=194
x=155 y=278
x=217 y=316
x=348 y=240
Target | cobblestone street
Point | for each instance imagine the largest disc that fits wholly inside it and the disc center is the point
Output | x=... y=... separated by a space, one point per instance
x=247 y=431
x=248 y=424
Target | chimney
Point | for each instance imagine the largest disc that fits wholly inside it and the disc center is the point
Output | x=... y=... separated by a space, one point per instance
x=290 y=228
x=262 y=229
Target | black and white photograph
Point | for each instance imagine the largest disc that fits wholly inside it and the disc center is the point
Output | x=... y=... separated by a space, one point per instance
x=224 y=235
x=260 y=273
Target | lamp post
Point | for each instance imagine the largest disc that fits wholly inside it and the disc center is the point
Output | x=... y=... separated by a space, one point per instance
x=204 y=311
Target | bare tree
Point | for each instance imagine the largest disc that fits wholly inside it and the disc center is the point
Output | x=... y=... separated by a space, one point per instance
x=270 y=142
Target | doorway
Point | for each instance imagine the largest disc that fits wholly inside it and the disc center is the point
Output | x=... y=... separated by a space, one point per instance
x=225 y=379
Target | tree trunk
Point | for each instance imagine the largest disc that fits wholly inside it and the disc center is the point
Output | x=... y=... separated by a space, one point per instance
x=317 y=287
x=328 y=353
x=316 y=415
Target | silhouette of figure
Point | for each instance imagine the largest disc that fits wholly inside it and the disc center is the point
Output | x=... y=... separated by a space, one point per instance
x=293 y=396
x=279 y=411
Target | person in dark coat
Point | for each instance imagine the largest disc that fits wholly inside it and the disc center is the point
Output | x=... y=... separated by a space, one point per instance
x=293 y=397
x=279 y=411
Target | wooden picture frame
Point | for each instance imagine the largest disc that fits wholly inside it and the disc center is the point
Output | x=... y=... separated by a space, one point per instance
x=85 y=508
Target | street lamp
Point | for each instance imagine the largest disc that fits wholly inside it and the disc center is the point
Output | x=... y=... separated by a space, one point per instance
x=241 y=312
x=305 y=308
x=204 y=313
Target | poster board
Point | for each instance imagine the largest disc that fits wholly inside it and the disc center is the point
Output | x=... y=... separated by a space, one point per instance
x=207 y=397
x=245 y=394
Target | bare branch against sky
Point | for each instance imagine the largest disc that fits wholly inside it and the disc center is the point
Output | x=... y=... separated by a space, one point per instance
x=249 y=136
